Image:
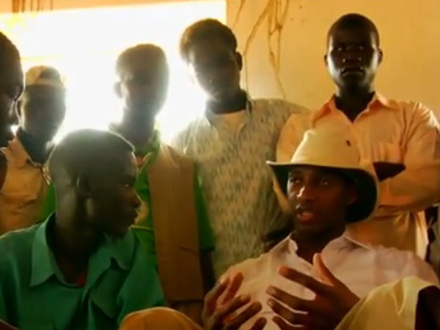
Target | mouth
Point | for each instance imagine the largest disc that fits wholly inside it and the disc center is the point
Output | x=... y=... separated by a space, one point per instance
x=304 y=214
x=352 y=70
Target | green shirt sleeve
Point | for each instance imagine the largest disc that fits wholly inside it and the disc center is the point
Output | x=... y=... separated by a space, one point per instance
x=142 y=288
x=206 y=237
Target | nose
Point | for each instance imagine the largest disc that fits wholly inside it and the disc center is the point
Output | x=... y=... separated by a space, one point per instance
x=306 y=193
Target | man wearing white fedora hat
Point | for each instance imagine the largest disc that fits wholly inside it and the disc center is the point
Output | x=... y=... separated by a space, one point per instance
x=327 y=188
x=401 y=139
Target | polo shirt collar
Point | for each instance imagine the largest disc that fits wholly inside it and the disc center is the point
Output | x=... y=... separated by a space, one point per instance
x=21 y=157
x=44 y=265
x=43 y=261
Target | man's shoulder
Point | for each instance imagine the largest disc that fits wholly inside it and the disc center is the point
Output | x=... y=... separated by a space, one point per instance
x=16 y=246
x=279 y=105
x=175 y=156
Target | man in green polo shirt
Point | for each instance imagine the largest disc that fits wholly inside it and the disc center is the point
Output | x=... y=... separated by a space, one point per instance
x=83 y=268
x=173 y=222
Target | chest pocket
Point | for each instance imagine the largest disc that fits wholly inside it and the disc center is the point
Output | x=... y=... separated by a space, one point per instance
x=386 y=152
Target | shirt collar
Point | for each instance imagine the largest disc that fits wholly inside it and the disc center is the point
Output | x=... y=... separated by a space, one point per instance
x=212 y=117
x=44 y=265
x=43 y=262
x=21 y=157
x=378 y=101
x=340 y=242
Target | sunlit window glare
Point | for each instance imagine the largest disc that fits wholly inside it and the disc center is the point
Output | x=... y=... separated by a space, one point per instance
x=84 y=44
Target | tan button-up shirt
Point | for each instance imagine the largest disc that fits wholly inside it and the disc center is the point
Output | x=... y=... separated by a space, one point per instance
x=387 y=131
x=23 y=193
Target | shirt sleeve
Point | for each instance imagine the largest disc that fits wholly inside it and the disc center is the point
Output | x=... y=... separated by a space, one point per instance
x=418 y=186
x=142 y=288
x=206 y=237
x=291 y=135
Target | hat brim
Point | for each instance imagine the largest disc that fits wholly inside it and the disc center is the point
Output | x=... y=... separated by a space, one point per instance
x=366 y=183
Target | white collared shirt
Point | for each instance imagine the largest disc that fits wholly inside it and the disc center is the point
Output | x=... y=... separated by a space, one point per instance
x=360 y=267
x=231 y=155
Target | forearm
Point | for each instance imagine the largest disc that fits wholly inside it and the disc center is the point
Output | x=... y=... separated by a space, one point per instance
x=414 y=189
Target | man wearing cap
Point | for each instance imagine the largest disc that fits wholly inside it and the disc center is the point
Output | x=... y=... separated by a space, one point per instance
x=327 y=189
x=24 y=182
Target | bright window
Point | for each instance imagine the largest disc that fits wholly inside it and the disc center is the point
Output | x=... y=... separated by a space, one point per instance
x=84 y=44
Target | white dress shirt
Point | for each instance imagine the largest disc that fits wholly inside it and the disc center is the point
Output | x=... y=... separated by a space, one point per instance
x=360 y=267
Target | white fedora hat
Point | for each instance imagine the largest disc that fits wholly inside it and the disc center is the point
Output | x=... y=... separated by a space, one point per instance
x=334 y=148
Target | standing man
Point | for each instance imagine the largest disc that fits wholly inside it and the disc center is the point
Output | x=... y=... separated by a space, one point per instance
x=400 y=139
x=230 y=143
x=172 y=222
x=11 y=86
x=24 y=180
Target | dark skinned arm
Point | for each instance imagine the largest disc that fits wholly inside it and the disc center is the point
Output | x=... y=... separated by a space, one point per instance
x=386 y=170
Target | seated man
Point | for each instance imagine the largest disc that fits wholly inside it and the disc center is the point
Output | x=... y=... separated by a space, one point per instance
x=327 y=189
x=24 y=181
x=400 y=138
x=172 y=223
x=407 y=304
x=83 y=268
x=11 y=86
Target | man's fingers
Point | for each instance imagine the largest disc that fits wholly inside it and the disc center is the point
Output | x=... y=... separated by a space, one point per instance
x=233 y=287
x=284 y=326
x=252 y=310
x=259 y=324
x=304 y=280
x=226 y=311
x=287 y=314
x=292 y=301
x=325 y=274
x=213 y=295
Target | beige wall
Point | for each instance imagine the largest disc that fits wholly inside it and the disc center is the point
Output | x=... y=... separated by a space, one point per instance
x=410 y=34
x=6 y=5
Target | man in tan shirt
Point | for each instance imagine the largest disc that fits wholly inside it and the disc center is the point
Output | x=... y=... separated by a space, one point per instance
x=400 y=139
x=23 y=178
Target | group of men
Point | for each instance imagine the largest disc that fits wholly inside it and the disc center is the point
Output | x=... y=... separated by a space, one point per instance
x=106 y=223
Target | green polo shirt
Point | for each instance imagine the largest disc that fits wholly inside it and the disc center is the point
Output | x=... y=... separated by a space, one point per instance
x=121 y=278
x=144 y=227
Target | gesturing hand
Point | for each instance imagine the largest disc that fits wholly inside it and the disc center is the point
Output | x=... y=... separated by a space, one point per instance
x=223 y=315
x=332 y=302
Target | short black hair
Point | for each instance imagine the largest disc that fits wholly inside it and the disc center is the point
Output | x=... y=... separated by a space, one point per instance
x=82 y=151
x=206 y=29
x=141 y=50
x=7 y=47
x=354 y=21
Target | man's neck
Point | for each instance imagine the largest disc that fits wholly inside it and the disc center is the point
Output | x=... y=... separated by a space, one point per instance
x=310 y=244
x=6 y=135
x=73 y=245
x=136 y=127
x=38 y=149
x=233 y=104
x=353 y=102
